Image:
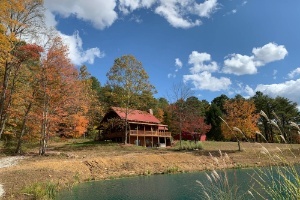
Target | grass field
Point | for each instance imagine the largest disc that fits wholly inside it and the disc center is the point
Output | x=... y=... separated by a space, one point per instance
x=73 y=161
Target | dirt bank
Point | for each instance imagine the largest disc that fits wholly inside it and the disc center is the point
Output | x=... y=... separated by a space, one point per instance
x=67 y=167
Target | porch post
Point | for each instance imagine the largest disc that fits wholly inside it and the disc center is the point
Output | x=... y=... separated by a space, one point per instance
x=137 y=135
x=129 y=134
x=145 y=135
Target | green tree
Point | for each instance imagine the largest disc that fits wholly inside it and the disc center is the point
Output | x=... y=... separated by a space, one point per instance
x=96 y=86
x=162 y=111
x=213 y=117
x=213 y=114
x=266 y=104
x=219 y=101
x=279 y=110
x=284 y=112
x=128 y=81
x=91 y=90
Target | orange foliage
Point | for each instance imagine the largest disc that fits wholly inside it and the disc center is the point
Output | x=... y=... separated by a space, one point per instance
x=242 y=114
x=63 y=106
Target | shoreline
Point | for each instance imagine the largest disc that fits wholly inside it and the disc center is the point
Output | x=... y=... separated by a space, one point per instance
x=8 y=162
x=2 y=192
x=66 y=168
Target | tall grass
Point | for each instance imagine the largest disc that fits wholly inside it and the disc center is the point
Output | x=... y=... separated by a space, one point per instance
x=45 y=191
x=280 y=181
x=219 y=186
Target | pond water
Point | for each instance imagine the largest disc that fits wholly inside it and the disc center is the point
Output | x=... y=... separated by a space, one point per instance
x=173 y=186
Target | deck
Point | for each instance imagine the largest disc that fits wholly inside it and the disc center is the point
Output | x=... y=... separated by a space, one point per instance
x=149 y=133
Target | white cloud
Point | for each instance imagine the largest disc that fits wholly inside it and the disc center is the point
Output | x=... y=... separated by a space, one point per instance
x=178 y=63
x=205 y=81
x=50 y=19
x=274 y=73
x=128 y=6
x=103 y=13
x=249 y=91
x=269 y=53
x=201 y=77
x=174 y=17
x=100 y=13
x=294 y=73
x=77 y=55
x=206 y=8
x=238 y=64
x=177 y=12
x=171 y=75
x=289 y=89
x=242 y=64
x=202 y=62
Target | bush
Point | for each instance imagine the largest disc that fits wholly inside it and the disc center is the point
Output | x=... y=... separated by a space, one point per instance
x=42 y=190
x=188 y=145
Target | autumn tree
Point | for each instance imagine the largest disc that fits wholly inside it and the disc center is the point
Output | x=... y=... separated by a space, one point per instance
x=178 y=96
x=24 y=89
x=128 y=82
x=162 y=111
x=194 y=117
x=241 y=119
x=91 y=91
x=60 y=99
x=18 y=19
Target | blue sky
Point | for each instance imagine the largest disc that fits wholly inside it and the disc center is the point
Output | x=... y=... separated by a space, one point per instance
x=215 y=47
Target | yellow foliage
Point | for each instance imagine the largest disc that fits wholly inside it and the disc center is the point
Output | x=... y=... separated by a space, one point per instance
x=240 y=113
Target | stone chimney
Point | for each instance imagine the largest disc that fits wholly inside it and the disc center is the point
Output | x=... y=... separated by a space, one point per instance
x=151 y=111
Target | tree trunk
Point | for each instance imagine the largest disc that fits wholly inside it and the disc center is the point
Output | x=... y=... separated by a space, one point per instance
x=43 y=141
x=6 y=101
x=3 y=97
x=126 y=125
x=19 y=137
x=180 y=132
x=239 y=144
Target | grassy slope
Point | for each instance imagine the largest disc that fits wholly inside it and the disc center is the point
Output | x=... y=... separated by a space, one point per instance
x=73 y=161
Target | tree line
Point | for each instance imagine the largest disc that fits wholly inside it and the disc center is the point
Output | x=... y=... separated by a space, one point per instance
x=43 y=95
x=258 y=118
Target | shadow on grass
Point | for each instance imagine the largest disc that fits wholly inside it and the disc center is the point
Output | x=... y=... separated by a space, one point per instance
x=84 y=145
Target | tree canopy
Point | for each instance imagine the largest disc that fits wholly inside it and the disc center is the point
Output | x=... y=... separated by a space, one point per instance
x=129 y=85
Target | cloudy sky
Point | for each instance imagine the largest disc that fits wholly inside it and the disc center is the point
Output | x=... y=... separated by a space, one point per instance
x=216 y=47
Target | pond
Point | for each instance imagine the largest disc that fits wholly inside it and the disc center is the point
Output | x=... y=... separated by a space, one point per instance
x=172 y=186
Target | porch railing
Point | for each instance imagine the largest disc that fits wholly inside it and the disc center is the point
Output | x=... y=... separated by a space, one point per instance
x=149 y=133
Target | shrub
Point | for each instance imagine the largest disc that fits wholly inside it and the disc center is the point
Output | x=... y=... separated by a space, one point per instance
x=189 y=145
x=42 y=190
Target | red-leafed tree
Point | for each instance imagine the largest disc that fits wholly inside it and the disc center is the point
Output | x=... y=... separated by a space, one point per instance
x=23 y=90
x=61 y=105
x=18 y=19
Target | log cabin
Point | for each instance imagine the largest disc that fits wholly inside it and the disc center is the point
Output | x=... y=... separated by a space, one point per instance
x=144 y=129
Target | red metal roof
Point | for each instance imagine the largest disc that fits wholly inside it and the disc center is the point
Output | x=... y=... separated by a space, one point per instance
x=136 y=115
